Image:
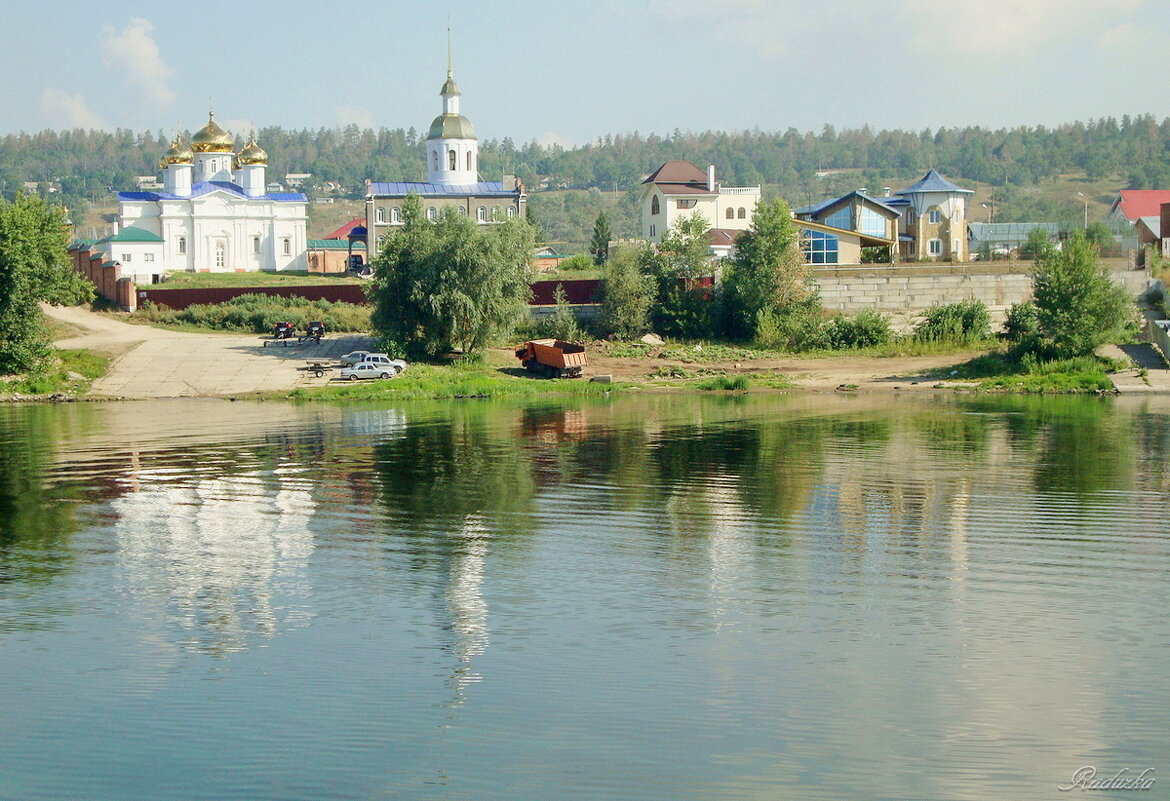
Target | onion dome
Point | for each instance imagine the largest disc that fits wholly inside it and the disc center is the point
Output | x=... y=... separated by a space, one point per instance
x=451 y=126
x=178 y=153
x=252 y=153
x=211 y=138
x=449 y=86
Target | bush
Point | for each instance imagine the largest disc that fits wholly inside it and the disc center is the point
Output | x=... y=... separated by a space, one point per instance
x=562 y=323
x=726 y=382
x=257 y=313
x=577 y=262
x=865 y=330
x=1077 y=304
x=1022 y=322
x=961 y=323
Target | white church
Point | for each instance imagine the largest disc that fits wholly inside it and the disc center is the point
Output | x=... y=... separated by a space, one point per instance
x=213 y=214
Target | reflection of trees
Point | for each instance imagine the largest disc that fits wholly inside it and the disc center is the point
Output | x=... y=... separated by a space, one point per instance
x=36 y=517
x=451 y=487
x=1080 y=444
x=440 y=473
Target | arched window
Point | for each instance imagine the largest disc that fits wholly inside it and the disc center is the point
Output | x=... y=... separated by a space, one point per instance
x=182 y=246
x=286 y=246
x=396 y=215
x=511 y=211
x=481 y=214
x=742 y=213
x=432 y=213
x=381 y=240
x=451 y=160
x=255 y=244
x=654 y=207
x=435 y=159
x=495 y=212
x=731 y=214
x=462 y=210
x=469 y=161
x=380 y=215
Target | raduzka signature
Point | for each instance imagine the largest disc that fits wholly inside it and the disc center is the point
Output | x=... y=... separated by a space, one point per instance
x=1086 y=778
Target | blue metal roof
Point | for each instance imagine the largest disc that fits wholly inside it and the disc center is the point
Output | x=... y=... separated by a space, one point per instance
x=933 y=182
x=203 y=187
x=817 y=208
x=424 y=188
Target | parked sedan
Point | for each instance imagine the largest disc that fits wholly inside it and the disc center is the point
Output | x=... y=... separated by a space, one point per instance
x=373 y=370
x=353 y=357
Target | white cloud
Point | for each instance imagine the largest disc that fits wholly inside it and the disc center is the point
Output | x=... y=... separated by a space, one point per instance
x=550 y=138
x=360 y=116
x=1005 y=28
x=135 y=51
x=1130 y=41
x=68 y=111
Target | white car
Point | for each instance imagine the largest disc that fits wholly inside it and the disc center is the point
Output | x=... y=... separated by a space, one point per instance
x=373 y=370
x=353 y=357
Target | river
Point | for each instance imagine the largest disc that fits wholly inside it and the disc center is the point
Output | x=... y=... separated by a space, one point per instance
x=652 y=597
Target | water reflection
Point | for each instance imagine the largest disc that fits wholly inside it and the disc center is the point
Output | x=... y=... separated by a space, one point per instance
x=732 y=597
x=215 y=554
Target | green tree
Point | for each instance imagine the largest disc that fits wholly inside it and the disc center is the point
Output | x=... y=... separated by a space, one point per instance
x=599 y=244
x=1078 y=307
x=562 y=323
x=449 y=284
x=628 y=295
x=1036 y=245
x=34 y=267
x=767 y=275
x=682 y=307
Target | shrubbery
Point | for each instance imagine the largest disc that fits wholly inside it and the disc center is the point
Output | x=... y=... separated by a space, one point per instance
x=964 y=322
x=257 y=313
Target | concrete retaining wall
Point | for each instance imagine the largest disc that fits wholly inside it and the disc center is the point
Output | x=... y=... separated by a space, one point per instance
x=896 y=290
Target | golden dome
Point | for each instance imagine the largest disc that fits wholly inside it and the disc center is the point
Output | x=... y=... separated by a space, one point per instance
x=211 y=138
x=252 y=153
x=178 y=153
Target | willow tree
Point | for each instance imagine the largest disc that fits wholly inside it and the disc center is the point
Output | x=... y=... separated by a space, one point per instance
x=34 y=267
x=449 y=284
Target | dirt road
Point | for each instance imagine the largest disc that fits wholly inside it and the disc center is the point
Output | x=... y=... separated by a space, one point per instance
x=156 y=363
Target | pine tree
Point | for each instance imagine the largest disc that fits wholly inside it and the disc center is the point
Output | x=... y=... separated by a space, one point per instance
x=599 y=245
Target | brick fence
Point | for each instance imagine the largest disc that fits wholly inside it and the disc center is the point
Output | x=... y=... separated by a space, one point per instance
x=580 y=291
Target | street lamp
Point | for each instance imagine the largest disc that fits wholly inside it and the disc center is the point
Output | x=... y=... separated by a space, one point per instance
x=1082 y=197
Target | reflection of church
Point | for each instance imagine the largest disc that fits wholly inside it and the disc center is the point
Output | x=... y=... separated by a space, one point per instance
x=213 y=214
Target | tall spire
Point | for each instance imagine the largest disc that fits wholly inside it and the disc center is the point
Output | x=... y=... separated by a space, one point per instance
x=450 y=88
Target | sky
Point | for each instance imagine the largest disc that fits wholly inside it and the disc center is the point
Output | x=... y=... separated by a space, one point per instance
x=569 y=73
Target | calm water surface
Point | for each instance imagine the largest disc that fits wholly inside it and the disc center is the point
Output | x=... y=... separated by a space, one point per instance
x=811 y=597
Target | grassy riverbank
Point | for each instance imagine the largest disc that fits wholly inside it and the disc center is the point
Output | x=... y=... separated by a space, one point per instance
x=72 y=374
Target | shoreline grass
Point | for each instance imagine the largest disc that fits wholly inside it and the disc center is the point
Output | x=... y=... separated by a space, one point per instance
x=56 y=379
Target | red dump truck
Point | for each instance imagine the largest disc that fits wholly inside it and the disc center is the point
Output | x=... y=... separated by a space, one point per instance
x=552 y=358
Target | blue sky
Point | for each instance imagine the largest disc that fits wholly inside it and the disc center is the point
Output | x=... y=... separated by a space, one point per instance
x=565 y=72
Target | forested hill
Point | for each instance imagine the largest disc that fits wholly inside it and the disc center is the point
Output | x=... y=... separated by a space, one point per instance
x=88 y=164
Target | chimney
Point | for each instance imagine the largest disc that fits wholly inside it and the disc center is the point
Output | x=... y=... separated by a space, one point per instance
x=1164 y=221
x=886 y=191
x=710 y=177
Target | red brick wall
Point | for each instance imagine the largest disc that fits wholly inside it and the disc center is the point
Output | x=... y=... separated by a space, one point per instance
x=579 y=291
